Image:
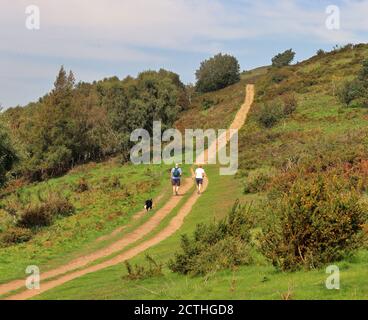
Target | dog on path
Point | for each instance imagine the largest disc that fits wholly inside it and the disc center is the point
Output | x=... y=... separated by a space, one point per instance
x=149 y=205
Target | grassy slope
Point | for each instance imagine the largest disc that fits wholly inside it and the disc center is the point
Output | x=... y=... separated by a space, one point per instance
x=319 y=115
x=259 y=281
x=98 y=212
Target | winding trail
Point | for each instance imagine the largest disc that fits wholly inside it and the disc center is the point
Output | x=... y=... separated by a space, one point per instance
x=69 y=271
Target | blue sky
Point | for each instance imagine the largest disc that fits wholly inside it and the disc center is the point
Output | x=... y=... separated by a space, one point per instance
x=97 y=39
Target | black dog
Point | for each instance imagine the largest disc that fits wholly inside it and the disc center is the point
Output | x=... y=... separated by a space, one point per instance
x=149 y=205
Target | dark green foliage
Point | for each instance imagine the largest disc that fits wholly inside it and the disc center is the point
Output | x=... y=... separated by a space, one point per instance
x=355 y=93
x=217 y=72
x=83 y=122
x=283 y=59
x=216 y=246
x=138 y=272
x=207 y=104
x=15 y=236
x=270 y=113
x=317 y=221
x=7 y=155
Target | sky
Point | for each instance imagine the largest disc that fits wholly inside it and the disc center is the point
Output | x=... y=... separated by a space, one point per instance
x=103 y=38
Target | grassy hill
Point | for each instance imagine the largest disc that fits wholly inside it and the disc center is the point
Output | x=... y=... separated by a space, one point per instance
x=105 y=196
x=321 y=137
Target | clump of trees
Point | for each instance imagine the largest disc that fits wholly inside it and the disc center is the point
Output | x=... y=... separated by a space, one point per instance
x=355 y=92
x=77 y=123
x=283 y=59
x=217 y=72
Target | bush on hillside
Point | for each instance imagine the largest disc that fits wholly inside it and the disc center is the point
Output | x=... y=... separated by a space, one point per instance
x=355 y=93
x=283 y=59
x=217 y=73
x=139 y=272
x=43 y=214
x=15 y=236
x=257 y=181
x=81 y=186
x=316 y=222
x=290 y=103
x=216 y=246
x=270 y=113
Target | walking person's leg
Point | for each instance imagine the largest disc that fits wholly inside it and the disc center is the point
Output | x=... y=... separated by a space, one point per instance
x=173 y=186
x=177 y=186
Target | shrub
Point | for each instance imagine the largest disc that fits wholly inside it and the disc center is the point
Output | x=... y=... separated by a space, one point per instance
x=42 y=215
x=140 y=272
x=216 y=246
x=320 y=52
x=350 y=91
x=290 y=104
x=15 y=235
x=316 y=222
x=270 y=113
x=279 y=76
x=257 y=181
x=217 y=73
x=283 y=59
x=82 y=186
x=207 y=104
x=35 y=216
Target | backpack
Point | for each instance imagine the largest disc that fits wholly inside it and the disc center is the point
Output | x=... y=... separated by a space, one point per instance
x=176 y=173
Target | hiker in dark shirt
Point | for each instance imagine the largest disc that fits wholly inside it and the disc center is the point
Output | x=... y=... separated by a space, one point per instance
x=175 y=179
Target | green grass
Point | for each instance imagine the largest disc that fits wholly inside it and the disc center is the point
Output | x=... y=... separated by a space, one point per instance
x=319 y=117
x=99 y=211
x=259 y=281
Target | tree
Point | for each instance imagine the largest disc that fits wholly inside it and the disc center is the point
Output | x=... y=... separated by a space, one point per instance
x=218 y=72
x=7 y=155
x=283 y=59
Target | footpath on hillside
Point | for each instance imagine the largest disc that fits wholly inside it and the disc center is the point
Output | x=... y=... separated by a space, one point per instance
x=80 y=266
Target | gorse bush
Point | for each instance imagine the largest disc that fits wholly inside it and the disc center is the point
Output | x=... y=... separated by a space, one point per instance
x=15 y=235
x=257 y=181
x=217 y=73
x=355 y=92
x=139 y=272
x=317 y=221
x=44 y=213
x=216 y=246
x=270 y=113
x=290 y=103
x=81 y=186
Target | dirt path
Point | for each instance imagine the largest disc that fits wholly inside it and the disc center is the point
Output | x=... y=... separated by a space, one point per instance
x=130 y=238
x=117 y=246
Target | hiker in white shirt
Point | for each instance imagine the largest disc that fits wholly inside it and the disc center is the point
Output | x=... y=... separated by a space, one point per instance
x=199 y=176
